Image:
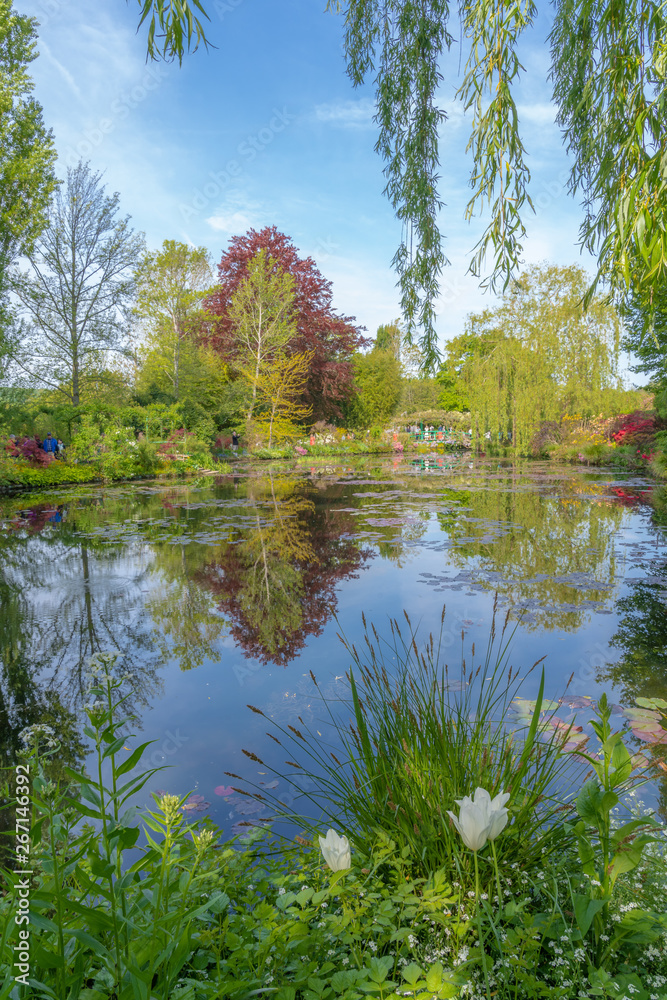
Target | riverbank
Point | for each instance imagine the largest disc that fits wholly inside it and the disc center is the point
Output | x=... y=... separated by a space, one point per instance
x=22 y=477
x=17 y=476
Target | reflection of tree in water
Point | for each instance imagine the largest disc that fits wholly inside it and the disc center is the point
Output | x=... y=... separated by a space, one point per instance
x=26 y=696
x=551 y=554
x=277 y=583
x=187 y=619
x=641 y=639
x=81 y=598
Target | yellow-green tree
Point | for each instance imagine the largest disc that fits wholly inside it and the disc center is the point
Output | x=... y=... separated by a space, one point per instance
x=539 y=355
x=172 y=284
x=263 y=320
x=277 y=385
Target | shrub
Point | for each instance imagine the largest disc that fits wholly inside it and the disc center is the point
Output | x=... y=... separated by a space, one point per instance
x=17 y=473
x=146 y=458
x=636 y=428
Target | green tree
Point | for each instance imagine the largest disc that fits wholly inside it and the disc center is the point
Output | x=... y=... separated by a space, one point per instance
x=539 y=355
x=27 y=151
x=645 y=328
x=73 y=300
x=460 y=354
x=172 y=284
x=389 y=337
x=377 y=377
x=262 y=317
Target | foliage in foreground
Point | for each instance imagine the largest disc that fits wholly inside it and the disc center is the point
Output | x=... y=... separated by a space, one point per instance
x=183 y=916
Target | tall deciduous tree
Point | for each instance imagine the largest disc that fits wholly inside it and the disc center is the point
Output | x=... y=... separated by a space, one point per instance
x=27 y=151
x=171 y=285
x=74 y=298
x=279 y=383
x=650 y=351
x=262 y=318
x=539 y=354
x=378 y=382
x=331 y=338
x=389 y=337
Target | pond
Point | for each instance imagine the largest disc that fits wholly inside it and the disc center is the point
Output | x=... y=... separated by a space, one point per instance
x=230 y=591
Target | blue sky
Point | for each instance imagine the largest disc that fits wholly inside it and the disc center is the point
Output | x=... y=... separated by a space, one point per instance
x=267 y=129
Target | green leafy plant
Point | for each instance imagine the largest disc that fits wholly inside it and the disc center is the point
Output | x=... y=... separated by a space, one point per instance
x=606 y=852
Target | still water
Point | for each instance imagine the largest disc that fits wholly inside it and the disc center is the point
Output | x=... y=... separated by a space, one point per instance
x=229 y=591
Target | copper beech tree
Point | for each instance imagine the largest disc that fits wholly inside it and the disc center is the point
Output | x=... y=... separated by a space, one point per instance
x=330 y=339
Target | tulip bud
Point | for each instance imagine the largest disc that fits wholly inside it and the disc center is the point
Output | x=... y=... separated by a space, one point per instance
x=480 y=818
x=336 y=851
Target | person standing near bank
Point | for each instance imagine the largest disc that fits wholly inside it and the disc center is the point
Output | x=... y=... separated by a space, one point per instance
x=50 y=444
x=235 y=441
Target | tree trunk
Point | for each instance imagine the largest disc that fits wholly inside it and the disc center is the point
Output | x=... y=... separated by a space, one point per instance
x=75 y=380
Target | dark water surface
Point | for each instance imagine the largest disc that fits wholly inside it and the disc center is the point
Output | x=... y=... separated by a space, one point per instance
x=223 y=592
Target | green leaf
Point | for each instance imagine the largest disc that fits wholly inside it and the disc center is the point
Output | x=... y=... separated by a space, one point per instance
x=411 y=973
x=434 y=977
x=588 y=801
x=378 y=968
x=585 y=910
x=133 y=759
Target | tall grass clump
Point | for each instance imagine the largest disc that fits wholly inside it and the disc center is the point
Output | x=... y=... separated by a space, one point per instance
x=416 y=735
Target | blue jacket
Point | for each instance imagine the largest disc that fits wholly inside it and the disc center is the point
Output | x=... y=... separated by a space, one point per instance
x=50 y=444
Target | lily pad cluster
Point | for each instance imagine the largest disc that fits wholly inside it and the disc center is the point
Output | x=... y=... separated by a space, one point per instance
x=646 y=720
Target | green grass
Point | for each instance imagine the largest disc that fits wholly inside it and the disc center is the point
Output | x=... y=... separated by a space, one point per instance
x=424 y=735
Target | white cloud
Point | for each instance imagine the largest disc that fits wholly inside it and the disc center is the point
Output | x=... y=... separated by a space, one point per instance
x=542 y=114
x=64 y=72
x=232 y=222
x=347 y=114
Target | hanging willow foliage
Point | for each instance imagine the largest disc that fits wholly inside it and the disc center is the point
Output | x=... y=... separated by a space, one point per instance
x=609 y=71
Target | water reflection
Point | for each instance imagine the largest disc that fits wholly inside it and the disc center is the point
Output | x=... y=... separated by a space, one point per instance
x=550 y=553
x=74 y=592
x=276 y=578
x=226 y=580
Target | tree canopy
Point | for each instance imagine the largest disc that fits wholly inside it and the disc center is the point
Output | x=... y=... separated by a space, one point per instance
x=73 y=297
x=171 y=285
x=329 y=338
x=537 y=356
x=608 y=68
x=27 y=151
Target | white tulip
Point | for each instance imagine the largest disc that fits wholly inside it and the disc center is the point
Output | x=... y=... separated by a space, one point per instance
x=480 y=818
x=336 y=851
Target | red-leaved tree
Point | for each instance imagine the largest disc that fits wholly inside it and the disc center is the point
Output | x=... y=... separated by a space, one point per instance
x=332 y=338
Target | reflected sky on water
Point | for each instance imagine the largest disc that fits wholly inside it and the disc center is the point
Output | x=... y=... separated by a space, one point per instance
x=224 y=592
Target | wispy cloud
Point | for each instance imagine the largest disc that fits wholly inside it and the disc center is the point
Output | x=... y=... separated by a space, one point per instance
x=64 y=72
x=231 y=222
x=543 y=114
x=346 y=114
